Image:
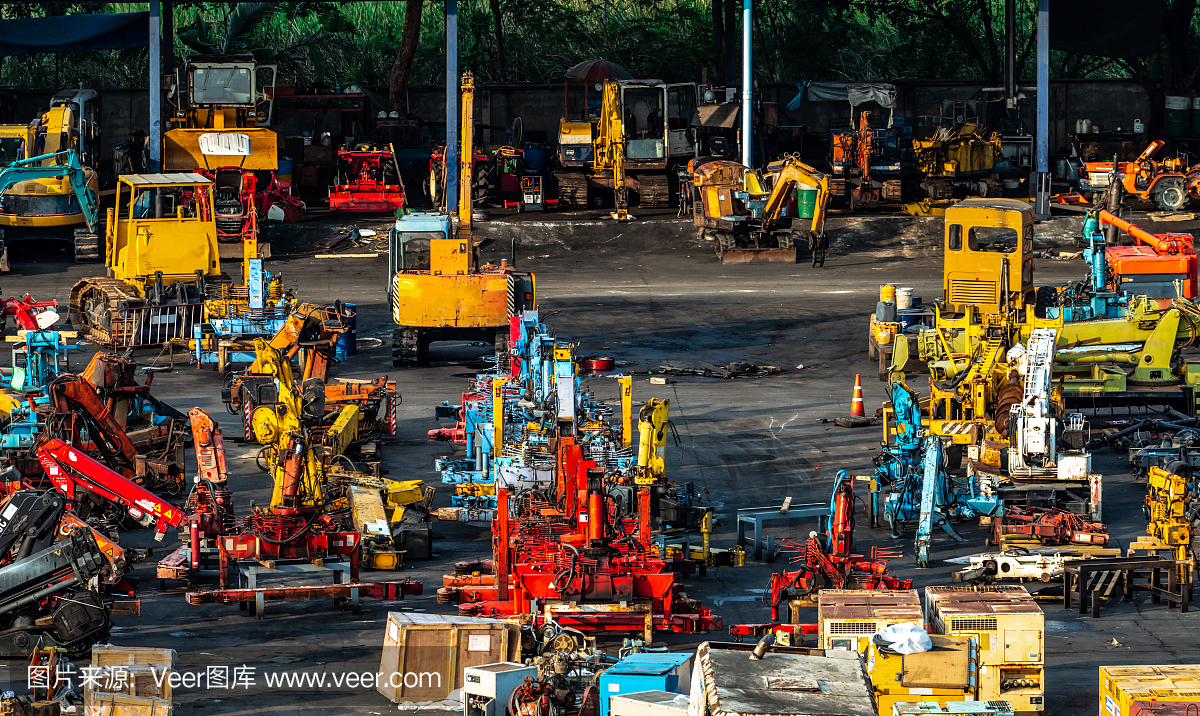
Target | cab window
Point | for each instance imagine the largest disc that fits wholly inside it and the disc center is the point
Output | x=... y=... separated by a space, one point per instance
x=955 y=237
x=1000 y=239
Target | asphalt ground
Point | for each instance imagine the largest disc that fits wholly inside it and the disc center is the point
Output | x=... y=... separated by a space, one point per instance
x=646 y=293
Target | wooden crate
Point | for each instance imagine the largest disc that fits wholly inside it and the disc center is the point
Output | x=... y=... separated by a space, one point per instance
x=424 y=654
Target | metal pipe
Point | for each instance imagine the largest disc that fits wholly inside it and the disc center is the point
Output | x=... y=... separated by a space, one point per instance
x=155 y=86
x=1097 y=358
x=450 y=162
x=747 y=80
x=1010 y=54
x=1161 y=245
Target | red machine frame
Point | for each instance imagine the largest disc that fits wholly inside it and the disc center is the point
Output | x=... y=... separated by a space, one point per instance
x=589 y=567
x=364 y=189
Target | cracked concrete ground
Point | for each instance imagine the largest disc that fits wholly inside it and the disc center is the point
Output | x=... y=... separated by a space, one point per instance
x=645 y=293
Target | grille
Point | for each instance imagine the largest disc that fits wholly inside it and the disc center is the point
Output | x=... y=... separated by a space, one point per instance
x=973 y=292
x=852 y=627
x=980 y=624
x=1099 y=179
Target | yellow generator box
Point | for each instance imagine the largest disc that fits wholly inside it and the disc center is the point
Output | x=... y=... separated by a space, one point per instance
x=847 y=618
x=1010 y=628
x=948 y=672
x=1121 y=686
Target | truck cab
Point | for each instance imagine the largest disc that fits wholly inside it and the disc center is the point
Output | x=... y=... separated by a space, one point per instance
x=988 y=249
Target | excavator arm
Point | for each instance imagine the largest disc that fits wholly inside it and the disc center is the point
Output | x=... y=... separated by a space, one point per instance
x=610 y=144
x=73 y=397
x=72 y=472
x=796 y=172
x=26 y=169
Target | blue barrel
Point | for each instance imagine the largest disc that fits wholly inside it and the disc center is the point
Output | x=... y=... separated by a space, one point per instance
x=347 y=342
x=908 y=318
x=285 y=166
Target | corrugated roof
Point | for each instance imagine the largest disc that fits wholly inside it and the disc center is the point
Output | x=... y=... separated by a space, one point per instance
x=153 y=179
x=780 y=683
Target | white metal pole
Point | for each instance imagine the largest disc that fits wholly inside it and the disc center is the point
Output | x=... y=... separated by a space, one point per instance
x=747 y=79
x=451 y=161
x=155 y=86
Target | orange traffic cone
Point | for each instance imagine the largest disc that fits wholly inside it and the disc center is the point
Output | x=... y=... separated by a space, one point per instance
x=856 y=405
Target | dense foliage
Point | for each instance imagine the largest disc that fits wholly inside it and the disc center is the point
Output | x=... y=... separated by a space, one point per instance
x=536 y=40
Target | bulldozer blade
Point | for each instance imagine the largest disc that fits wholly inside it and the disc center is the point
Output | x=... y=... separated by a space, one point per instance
x=755 y=256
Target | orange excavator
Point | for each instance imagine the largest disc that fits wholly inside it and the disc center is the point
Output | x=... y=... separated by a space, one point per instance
x=156 y=429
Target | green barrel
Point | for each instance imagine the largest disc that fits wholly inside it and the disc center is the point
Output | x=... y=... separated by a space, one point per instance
x=1195 y=117
x=1178 y=119
x=806 y=202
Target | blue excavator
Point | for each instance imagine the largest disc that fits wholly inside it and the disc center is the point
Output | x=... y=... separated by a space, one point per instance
x=913 y=473
x=65 y=163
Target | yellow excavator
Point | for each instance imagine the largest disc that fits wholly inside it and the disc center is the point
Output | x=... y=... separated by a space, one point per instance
x=70 y=125
x=437 y=289
x=750 y=216
x=638 y=139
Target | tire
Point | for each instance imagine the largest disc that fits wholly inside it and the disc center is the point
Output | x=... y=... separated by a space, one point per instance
x=1047 y=297
x=1170 y=195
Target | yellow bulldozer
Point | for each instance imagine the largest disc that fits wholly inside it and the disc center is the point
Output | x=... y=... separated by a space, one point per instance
x=752 y=217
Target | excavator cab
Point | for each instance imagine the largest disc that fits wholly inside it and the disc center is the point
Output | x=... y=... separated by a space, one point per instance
x=988 y=255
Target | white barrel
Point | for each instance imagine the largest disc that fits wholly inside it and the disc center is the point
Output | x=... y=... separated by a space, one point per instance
x=904 y=298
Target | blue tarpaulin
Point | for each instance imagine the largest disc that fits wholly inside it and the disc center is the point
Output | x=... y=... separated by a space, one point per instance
x=65 y=33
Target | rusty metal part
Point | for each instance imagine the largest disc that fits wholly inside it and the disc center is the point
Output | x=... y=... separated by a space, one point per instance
x=372 y=590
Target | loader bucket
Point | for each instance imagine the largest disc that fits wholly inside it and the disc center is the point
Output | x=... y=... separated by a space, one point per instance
x=183 y=150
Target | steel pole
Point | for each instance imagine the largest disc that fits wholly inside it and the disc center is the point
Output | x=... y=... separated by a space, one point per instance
x=155 y=86
x=747 y=81
x=1041 y=210
x=450 y=163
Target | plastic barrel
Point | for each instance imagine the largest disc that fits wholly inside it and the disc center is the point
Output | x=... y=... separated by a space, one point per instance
x=904 y=298
x=348 y=339
x=1178 y=119
x=885 y=312
x=285 y=166
x=1195 y=132
x=806 y=202
x=887 y=293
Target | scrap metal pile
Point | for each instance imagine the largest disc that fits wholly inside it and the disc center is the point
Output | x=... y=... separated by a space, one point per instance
x=571 y=505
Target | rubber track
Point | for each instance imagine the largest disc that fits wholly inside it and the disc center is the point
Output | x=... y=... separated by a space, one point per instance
x=572 y=188
x=87 y=247
x=653 y=190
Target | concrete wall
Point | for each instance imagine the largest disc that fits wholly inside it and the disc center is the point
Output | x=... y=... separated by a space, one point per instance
x=1108 y=103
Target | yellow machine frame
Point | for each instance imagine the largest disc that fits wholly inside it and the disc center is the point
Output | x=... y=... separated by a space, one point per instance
x=652 y=441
